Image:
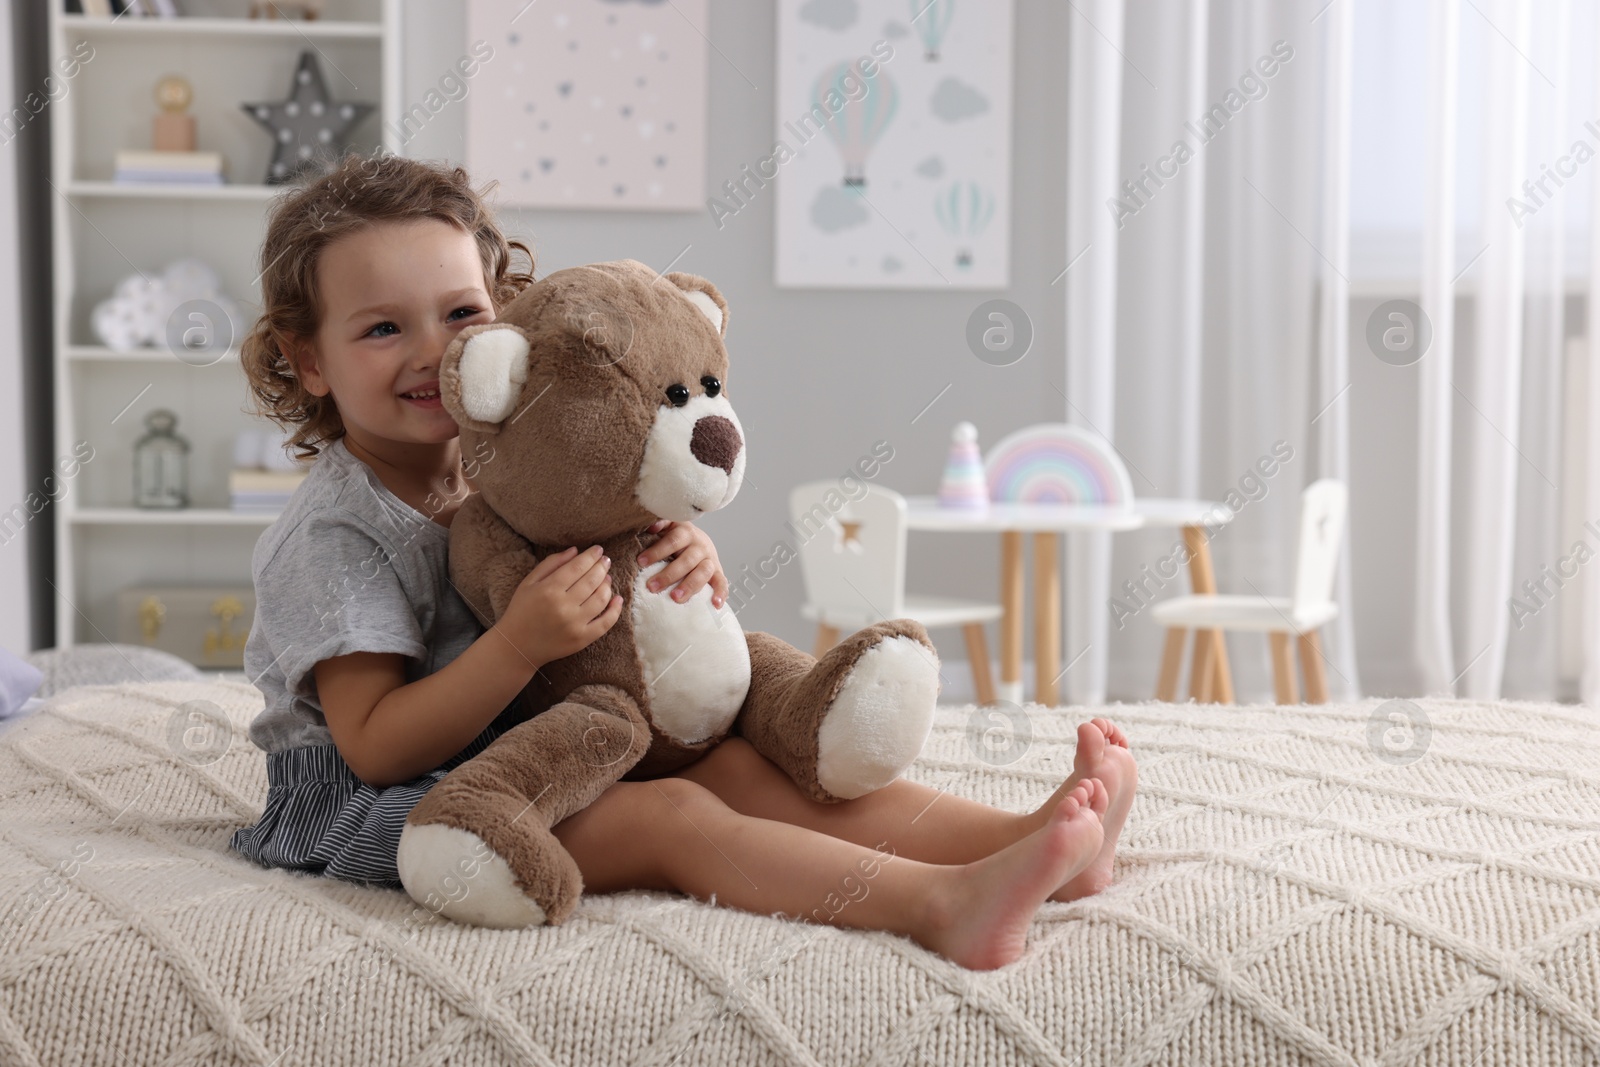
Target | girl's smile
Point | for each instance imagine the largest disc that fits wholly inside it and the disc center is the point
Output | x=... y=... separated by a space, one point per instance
x=425 y=396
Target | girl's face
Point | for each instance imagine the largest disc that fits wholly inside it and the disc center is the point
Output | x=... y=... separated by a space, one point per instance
x=394 y=296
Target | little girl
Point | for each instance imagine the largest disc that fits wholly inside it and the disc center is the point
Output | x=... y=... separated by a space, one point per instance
x=378 y=679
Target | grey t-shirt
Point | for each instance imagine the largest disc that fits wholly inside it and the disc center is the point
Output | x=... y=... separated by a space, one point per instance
x=347 y=567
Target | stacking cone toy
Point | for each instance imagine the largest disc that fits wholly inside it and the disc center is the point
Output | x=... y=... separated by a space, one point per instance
x=964 y=484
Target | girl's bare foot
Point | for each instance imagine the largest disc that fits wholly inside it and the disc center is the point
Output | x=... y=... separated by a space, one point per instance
x=1094 y=737
x=1102 y=753
x=1120 y=776
x=980 y=918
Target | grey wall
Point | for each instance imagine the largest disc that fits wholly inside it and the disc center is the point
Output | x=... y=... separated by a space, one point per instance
x=818 y=376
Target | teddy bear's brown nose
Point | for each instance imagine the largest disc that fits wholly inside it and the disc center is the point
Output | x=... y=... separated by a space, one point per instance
x=715 y=442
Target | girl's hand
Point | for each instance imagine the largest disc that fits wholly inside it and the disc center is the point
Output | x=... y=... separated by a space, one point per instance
x=563 y=605
x=696 y=565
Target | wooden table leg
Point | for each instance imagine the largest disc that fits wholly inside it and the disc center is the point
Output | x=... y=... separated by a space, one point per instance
x=1222 y=679
x=978 y=657
x=1046 y=617
x=827 y=637
x=1283 y=683
x=1311 y=667
x=1171 y=665
x=1011 y=616
x=1203 y=671
x=1203 y=580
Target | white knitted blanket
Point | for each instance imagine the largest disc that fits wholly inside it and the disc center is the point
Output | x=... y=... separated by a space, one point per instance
x=1292 y=887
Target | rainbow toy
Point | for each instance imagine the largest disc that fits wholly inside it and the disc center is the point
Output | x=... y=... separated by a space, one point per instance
x=1054 y=463
x=964 y=485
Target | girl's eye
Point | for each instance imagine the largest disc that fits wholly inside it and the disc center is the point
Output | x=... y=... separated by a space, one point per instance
x=386 y=326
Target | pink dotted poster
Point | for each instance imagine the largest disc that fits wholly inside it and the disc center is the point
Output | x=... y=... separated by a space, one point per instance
x=589 y=103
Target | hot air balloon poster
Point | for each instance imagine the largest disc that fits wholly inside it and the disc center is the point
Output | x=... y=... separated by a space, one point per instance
x=587 y=103
x=892 y=160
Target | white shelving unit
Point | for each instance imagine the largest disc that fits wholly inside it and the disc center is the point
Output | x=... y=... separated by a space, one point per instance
x=103 y=232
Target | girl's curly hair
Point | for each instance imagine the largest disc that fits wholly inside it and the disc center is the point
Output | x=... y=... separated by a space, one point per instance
x=358 y=192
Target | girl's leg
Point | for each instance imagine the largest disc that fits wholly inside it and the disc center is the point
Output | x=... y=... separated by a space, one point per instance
x=673 y=834
x=917 y=821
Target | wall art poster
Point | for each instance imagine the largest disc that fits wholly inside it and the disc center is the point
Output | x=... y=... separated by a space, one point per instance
x=588 y=103
x=892 y=153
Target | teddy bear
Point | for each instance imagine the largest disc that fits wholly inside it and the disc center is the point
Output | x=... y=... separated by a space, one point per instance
x=594 y=405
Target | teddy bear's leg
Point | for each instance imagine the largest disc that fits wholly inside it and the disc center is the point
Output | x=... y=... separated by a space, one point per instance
x=478 y=848
x=847 y=723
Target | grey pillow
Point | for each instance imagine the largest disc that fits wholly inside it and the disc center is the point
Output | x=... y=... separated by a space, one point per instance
x=19 y=680
x=105 y=664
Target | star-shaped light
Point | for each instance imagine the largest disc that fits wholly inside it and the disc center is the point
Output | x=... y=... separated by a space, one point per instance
x=308 y=129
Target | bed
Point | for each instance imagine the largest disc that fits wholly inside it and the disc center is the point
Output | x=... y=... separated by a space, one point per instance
x=1289 y=891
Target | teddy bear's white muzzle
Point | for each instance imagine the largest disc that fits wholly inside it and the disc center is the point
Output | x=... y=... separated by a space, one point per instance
x=693 y=459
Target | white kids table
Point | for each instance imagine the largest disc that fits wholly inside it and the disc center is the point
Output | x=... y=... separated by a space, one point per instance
x=1210 y=678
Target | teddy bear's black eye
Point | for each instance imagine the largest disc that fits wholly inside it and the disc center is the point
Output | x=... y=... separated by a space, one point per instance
x=713 y=387
x=678 y=394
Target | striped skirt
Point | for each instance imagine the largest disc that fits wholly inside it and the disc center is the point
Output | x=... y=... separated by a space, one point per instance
x=320 y=817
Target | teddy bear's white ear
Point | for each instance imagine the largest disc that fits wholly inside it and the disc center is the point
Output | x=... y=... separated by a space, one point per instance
x=703 y=295
x=702 y=300
x=494 y=366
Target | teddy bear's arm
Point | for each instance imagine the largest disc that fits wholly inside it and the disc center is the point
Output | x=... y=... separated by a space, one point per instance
x=488 y=559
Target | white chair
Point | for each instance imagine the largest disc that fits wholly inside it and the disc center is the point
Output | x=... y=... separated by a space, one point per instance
x=1323 y=506
x=853 y=561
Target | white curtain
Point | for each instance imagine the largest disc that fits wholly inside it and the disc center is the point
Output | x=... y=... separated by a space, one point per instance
x=1492 y=382
x=1096 y=75
x=1224 y=305
x=1584 y=638
x=1529 y=654
x=1223 y=340
x=1507 y=424
x=1432 y=640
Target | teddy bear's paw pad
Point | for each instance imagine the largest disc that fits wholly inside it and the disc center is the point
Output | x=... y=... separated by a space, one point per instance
x=879 y=720
x=455 y=873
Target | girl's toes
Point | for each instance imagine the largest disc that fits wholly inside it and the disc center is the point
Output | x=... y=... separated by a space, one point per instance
x=1100 y=800
x=1080 y=797
x=1113 y=732
x=1091 y=748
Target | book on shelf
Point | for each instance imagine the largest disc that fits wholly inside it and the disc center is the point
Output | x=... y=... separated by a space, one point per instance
x=260 y=504
x=136 y=166
x=249 y=480
x=109 y=9
x=166 y=9
x=262 y=490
